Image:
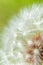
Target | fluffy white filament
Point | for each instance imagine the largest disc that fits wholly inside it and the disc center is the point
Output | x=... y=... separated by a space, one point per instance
x=17 y=30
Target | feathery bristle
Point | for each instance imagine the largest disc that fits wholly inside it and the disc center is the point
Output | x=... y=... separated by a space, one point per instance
x=35 y=50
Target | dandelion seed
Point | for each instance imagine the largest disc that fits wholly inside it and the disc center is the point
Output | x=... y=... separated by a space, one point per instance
x=19 y=44
x=29 y=42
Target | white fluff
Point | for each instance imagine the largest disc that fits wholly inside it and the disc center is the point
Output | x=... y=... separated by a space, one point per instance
x=15 y=31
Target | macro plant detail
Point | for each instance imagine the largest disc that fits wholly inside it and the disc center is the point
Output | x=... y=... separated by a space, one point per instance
x=22 y=38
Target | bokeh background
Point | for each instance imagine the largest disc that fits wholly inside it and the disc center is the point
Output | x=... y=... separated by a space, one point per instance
x=11 y=7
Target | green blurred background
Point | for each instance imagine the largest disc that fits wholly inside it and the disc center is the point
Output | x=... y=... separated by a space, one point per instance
x=10 y=7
